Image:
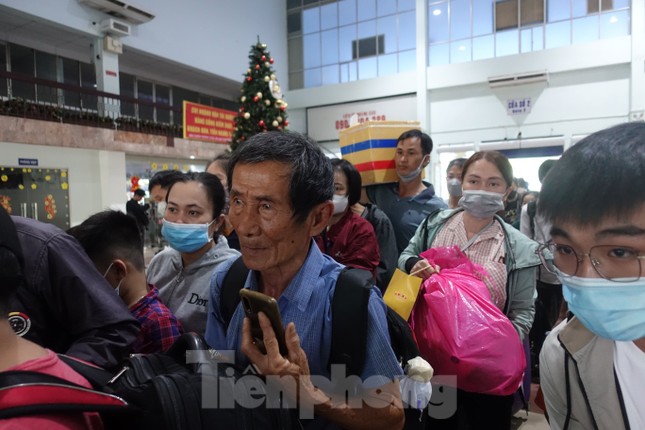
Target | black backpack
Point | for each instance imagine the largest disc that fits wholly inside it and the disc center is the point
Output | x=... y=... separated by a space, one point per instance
x=159 y=391
x=349 y=309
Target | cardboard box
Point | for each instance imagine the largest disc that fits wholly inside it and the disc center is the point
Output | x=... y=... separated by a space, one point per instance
x=371 y=145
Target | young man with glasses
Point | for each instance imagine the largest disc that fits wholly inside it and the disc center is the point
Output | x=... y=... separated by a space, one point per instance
x=593 y=363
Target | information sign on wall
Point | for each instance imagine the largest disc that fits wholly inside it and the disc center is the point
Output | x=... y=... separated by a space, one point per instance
x=208 y=123
x=518 y=106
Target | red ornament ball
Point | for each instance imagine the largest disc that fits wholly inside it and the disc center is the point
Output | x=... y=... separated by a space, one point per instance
x=256 y=98
x=282 y=108
x=271 y=60
x=249 y=79
x=264 y=58
x=286 y=123
x=257 y=67
x=261 y=123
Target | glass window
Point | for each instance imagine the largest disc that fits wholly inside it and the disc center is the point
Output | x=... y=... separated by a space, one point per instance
x=387 y=64
x=3 y=67
x=407 y=31
x=329 y=16
x=557 y=34
x=296 y=80
x=438 y=23
x=506 y=43
x=311 y=20
x=460 y=51
x=367 y=29
x=329 y=47
x=71 y=76
x=346 y=38
x=293 y=22
x=557 y=10
x=353 y=71
x=614 y=24
x=311 y=51
x=294 y=45
x=346 y=12
x=367 y=68
x=291 y=4
x=532 y=39
x=385 y=7
x=484 y=47
x=126 y=89
x=407 y=61
x=46 y=69
x=439 y=54
x=366 y=10
x=387 y=27
x=406 y=5
x=578 y=8
x=179 y=95
x=22 y=61
x=144 y=92
x=459 y=19
x=162 y=96
x=344 y=72
x=621 y=4
x=88 y=81
x=313 y=78
x=330 y=75
x=585 y=29
x=482 y=17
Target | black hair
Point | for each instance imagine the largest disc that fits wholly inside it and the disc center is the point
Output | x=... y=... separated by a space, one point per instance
x=108 y=235
x=11 y=261
x=544 y=168
x=312 y=178
x=459 y=162
x=354 y=181
x=222 y=159
x=164 y=178
x=601 y=176
x=495 y=157
x=214 y=191
x=139 y=192
x=426 y=141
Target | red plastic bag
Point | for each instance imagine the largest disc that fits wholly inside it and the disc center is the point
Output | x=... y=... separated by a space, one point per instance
x=461 y=332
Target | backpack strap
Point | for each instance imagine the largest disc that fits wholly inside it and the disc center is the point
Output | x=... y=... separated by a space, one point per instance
x=349 y=311
x=230 y=293
x=30 y=393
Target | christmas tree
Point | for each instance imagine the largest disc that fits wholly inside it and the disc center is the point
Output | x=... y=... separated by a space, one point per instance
x=261 y=104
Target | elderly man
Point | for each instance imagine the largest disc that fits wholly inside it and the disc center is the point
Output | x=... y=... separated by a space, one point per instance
x=281 y=188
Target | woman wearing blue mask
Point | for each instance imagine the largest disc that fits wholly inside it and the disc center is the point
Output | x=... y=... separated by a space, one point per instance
x=593 y=363
x=349 y=238
x=191 y=223
x=508 y=256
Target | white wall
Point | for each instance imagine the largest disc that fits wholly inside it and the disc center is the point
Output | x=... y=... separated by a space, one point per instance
x=96 y=178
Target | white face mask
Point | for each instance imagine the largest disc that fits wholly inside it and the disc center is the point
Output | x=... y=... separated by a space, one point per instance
x=118 y=287
x=340 y=204
x=413 y=174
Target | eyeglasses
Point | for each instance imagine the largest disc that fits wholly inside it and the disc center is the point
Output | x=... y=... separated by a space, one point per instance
x=612 y=262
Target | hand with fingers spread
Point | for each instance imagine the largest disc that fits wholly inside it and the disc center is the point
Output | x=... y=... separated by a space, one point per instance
x=423 y=269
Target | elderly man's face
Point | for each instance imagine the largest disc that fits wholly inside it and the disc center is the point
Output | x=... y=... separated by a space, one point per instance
x=271 y=240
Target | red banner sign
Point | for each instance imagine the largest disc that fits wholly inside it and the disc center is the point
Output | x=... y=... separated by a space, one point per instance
x=208 y=123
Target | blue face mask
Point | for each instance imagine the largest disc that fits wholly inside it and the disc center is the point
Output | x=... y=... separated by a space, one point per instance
x=186 y=237
x=609 y=309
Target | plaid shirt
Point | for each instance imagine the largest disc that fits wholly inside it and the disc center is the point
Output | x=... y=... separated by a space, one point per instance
x=159 y=327
x=488 y=251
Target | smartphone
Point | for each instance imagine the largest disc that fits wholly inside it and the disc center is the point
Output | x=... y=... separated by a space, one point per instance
x=254 y=302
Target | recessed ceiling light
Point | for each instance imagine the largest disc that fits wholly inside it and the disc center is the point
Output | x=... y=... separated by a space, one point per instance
x=192 y=157
x=436 y=12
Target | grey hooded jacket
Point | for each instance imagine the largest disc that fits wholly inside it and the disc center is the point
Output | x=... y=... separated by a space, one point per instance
x=185 y=289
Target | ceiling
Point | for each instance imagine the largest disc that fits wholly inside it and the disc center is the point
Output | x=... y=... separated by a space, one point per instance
x=21 y=28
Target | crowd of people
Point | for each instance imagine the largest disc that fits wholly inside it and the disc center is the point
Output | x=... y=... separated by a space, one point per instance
x=563 y=265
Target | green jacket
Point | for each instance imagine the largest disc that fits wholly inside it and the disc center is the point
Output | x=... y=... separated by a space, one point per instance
x=522 y=263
